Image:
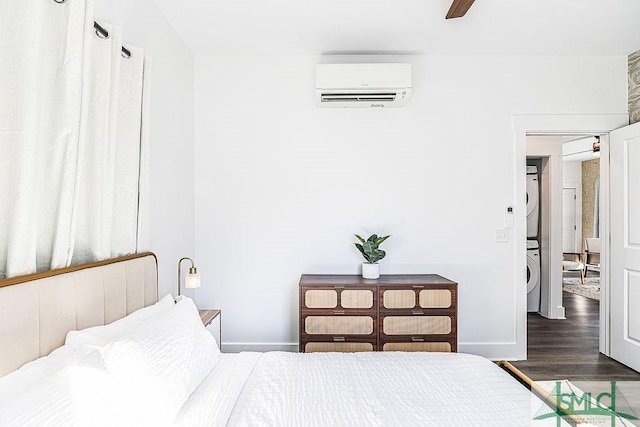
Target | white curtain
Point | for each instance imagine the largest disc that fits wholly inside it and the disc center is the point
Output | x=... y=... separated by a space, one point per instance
x=71 y=133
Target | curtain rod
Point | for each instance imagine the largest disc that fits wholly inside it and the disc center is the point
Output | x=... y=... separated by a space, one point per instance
x=101 y=32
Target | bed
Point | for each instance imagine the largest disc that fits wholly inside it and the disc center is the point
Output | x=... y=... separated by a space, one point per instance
x=94 y=345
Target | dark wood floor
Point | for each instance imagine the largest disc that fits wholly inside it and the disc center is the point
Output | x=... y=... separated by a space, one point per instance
x=568 y=349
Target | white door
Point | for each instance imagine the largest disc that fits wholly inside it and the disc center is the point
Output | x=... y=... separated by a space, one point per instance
x=569 y=220
x=625 y=245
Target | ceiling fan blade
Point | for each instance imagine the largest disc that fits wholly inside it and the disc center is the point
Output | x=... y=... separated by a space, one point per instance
x=459 y=8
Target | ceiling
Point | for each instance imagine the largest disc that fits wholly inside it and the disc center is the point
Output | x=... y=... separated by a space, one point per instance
x=315 y=27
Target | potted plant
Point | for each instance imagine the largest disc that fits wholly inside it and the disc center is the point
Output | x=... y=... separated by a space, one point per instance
x=372 y=253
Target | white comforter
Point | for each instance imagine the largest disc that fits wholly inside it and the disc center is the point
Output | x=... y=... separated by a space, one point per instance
x=368 y=389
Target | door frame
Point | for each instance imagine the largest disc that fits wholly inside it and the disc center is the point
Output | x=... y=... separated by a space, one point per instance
x=598 y=124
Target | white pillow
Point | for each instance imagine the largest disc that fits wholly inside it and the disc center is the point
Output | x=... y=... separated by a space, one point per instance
x=36 y=371
x=65 y=388
x=99 y=336
x=160 y=363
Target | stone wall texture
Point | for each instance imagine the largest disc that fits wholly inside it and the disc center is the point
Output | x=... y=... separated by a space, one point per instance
x=634 y=87
x=590 y=173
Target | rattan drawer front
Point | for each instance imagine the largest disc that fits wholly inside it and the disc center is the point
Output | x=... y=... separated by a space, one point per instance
x=400 y=298
x=416 y=325
x=435 y=298
x=347 y=347
x=320 y=298
x=340 y=325
x=417 y=346
x=356 y=298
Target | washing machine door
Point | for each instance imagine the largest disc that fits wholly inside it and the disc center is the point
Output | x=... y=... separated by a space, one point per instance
x=533 y=272
x=532 y=193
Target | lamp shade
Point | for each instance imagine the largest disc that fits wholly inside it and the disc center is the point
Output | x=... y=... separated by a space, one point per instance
x=192 y=281
x=193 y=278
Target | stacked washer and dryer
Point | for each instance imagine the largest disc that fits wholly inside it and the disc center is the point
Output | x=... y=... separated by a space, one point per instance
x=533 y=249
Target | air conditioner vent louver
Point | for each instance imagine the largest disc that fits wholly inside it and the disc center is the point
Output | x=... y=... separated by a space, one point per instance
x=357 y=97
x=363 y=85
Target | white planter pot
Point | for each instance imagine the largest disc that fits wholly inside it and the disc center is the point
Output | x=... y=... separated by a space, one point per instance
x=370 y=271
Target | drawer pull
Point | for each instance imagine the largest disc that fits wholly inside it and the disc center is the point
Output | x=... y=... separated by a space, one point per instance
x=417 y=313
x=418 y=287
x=414 y=339
x=337 y=312
x=339 y=287
x=338 y=339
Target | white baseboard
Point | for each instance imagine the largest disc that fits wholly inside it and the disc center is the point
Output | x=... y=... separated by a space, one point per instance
x=559 y=312
x=237 y=347
x=494 y=351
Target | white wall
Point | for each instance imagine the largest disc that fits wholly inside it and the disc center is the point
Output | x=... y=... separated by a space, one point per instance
x=572 y=172
x=281 y=185
x=171 y=129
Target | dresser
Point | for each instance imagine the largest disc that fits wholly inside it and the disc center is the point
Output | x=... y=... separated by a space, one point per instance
x=403 y=312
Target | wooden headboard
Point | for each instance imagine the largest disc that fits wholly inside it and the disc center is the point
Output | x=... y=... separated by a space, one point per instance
x=37 y=310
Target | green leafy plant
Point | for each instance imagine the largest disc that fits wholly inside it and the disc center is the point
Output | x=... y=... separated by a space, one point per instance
x=369 y=248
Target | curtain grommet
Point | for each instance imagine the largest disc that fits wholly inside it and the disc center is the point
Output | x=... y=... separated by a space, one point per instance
x=100 y=32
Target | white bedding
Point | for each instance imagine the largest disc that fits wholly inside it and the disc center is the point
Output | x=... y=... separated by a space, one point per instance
x=146 y=372
x=75 y=388
x=67 y=388
x=138 y=371
x=352 y=389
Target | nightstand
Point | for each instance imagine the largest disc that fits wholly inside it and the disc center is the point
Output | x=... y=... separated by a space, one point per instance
x=211 y=319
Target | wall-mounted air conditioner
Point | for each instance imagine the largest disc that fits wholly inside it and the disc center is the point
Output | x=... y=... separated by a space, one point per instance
x=363 y=85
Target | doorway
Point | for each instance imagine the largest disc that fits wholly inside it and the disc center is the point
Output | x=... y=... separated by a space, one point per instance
x=559 y=187
x=553 y=125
